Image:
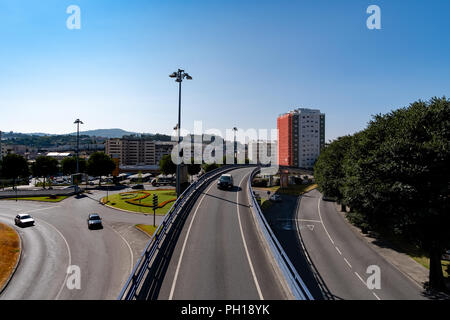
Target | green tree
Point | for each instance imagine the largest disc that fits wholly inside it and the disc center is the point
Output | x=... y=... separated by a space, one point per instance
x=329 y=171
x=397 y=177
x=14 y=166
x=69 y=165
x=209 y=167
x=100 y=164
x=193 y=168
x=45 y=167
x=167 y=166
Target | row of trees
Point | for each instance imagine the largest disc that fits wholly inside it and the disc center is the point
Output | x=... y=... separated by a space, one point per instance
x=394 y=175
x=16 y=167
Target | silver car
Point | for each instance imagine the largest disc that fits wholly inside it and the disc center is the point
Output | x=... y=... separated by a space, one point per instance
x=23 y=220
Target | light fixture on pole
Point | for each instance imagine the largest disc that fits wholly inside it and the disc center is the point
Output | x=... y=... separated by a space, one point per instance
x=179 y=76
x=235 y=147
x=78 y=122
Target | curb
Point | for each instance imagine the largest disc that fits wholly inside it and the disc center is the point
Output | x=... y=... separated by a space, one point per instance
x=17 y=262
x=135 y=226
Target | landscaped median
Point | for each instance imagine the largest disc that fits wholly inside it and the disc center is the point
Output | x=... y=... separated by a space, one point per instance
x=142 y=201
x=42 y=199
x=9 y=253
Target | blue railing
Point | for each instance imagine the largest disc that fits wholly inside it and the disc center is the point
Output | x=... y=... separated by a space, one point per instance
x=295 y=282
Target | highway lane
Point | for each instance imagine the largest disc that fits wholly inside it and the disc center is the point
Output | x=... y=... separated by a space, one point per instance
x=61 y=238
x=342 y=257
x=219 y=254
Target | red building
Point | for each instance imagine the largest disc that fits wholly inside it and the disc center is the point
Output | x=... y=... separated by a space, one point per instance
x=285 y=152
x=301 y=137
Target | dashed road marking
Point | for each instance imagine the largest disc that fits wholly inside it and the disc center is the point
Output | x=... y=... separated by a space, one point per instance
x=362 y=280
x=348 y=263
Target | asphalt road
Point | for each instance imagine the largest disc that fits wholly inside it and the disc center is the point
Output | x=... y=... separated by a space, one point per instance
x=219 y=254
x=61 y=239
x=342 y=257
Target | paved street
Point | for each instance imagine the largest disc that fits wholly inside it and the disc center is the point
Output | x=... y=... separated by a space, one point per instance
x=342 y=257
x=219 y=254
x=61 y=238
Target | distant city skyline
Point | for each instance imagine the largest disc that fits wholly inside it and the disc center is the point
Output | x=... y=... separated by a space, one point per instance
x=250 y=61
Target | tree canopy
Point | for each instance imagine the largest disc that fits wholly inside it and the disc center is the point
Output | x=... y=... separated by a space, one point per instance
x=395 y=175
x=69 y=165
x=14 y=166
x=100 y=164
x=166 y=165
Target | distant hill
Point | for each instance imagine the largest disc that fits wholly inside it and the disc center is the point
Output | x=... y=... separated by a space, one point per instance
x=106 y=133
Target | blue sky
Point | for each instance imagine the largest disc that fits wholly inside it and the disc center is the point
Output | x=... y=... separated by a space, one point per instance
x=251 y=60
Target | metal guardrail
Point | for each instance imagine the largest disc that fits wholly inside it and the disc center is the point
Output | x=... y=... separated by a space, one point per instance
x=294 y=280
x=138 y=274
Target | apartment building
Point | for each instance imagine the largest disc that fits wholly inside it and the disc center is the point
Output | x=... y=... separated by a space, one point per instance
x=301 y=137
x=260 y=152
x=137 y=151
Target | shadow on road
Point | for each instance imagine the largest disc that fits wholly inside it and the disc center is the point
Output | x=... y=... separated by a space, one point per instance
x=222 y=199
x=281 y=217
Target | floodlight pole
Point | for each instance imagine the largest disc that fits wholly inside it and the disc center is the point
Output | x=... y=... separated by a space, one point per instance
x=179 y=75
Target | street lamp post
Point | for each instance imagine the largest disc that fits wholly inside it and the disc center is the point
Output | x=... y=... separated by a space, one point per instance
x=179 y=76
x=78 y=122
x=235 y=147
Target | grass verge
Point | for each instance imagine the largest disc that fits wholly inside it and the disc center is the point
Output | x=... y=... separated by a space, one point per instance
x=119 y=201
x=292 y=190
x=9 y=252
x=148 y=229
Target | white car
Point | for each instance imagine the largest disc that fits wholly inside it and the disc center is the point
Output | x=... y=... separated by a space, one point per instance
x=24 y=219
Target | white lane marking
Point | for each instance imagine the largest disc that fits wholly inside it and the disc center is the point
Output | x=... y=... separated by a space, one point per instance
x=70 y=256
x=338 y=251
x=245 y=244
x=376 y=295
x=128 y=245
x=184 y=244
x=348 y=263
x=304 y=220
x=362 y=280
x=321 y=220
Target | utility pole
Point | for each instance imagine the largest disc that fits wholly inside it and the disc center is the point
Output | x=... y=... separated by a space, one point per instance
x=179 y=75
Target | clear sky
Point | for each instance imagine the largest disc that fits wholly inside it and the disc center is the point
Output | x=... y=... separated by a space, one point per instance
x=251 y=60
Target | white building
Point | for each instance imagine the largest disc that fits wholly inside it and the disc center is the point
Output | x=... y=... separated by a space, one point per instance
x=261 y=152
x=311 y=136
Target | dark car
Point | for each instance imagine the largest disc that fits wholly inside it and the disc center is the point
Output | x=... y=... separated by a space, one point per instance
x=225 y=182
x=94 y=221
x=138 y=187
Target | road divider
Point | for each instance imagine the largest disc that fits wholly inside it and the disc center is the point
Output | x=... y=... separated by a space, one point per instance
x=295 y=282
